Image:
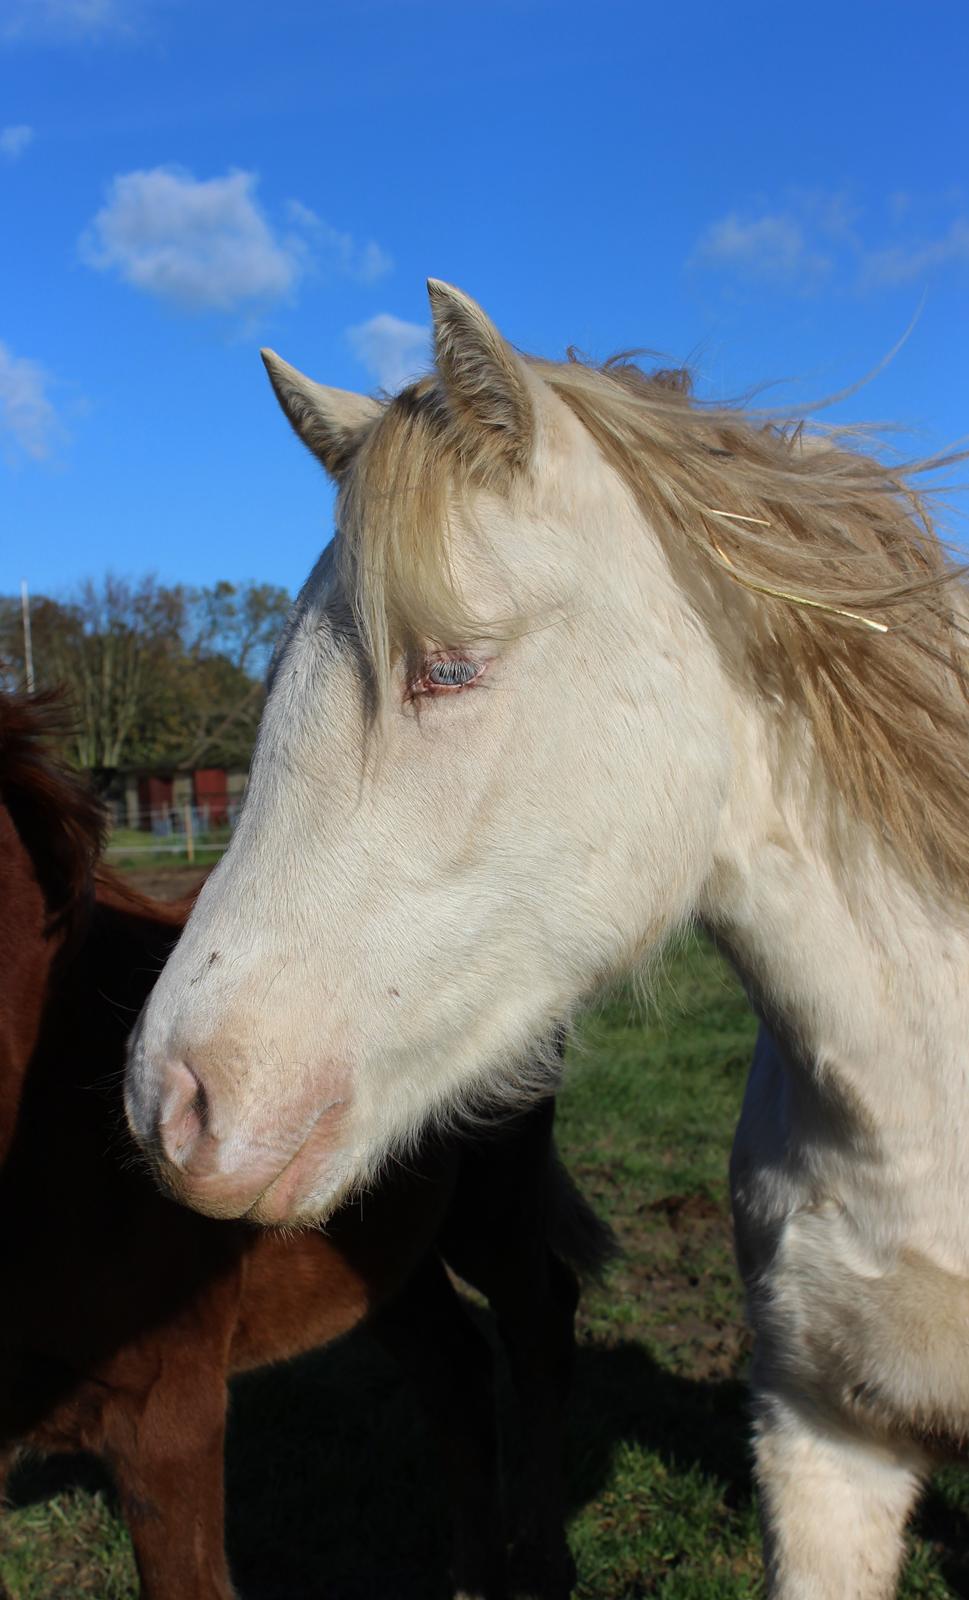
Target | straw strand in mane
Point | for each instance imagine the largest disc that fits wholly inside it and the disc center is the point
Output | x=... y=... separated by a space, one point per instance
x=762 y=505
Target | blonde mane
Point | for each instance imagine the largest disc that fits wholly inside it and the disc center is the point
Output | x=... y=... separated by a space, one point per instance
x=861 y=627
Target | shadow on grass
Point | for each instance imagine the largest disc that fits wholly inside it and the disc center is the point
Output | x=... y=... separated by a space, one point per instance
x=945 y=1528
x=334 y=1492
x=334 y=1489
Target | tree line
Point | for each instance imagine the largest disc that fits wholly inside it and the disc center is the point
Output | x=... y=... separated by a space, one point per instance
x=155 y=675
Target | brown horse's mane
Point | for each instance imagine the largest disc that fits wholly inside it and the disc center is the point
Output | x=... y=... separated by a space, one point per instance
x=825 y=561
x=57 y=817
x=60 y=820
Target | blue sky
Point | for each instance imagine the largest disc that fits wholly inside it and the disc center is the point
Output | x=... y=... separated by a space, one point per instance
x=772 y=191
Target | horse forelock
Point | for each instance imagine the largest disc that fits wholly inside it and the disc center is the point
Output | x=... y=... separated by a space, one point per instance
x=57 y=818
x=412 y=469
x=843 y=540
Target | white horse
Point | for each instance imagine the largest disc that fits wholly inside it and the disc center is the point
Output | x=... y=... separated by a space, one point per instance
x=588 y=660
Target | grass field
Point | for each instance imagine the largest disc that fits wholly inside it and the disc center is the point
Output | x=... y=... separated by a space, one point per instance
x=131 y=850
x=333 y=1491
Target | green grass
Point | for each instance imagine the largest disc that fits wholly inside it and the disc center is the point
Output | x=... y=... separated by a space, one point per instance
x=164 y=860
x=333 y=1490
x=130 y=849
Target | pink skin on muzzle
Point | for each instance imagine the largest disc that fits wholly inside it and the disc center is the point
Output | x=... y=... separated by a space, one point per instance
x=213 y=1173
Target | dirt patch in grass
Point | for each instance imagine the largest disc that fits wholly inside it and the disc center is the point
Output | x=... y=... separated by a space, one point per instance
x=167 y=883
x=676 y=1283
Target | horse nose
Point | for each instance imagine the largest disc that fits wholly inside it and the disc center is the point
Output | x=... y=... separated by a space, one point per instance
x=202 y=1153
x=217 y=1152
x=183 y=1113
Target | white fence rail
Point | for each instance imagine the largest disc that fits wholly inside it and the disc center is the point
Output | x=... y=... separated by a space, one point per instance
x=180 y=830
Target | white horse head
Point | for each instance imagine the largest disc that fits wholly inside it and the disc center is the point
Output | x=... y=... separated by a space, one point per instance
x=524 y=721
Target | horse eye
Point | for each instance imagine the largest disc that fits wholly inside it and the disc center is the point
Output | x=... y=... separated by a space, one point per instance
x=452 y=673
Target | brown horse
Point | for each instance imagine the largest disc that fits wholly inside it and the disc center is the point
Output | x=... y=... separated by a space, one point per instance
x=125 y=1314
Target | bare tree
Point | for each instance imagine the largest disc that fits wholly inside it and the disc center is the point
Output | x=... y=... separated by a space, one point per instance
x=157 y=675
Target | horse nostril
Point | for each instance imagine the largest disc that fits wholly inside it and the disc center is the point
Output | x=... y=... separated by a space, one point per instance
x=183 y=1112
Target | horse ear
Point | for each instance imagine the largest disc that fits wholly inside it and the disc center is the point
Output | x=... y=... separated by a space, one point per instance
x=329 y=421
x=484 y=379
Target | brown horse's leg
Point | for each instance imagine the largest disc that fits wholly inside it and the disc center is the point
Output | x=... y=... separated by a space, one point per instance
x=166 y=1453
x=534 y=1301
x=497 y=1239
x=450 y=1362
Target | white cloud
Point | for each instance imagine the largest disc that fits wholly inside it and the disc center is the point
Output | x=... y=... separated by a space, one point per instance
x=203 y=243
x=340 y=251
x=303 y=216
x=909 y=263
x=14 y=140
x=373 y=263
x=65 y=21
x=28 y=419
x=774 y=246
x=393 y=351
x=818 y=237
x=207 y=244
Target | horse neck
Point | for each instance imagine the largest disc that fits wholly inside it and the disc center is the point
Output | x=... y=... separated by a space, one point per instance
x=66 y=1092
x=80 y=986
x=860 y=973
x=29 y=951
x=123 y=945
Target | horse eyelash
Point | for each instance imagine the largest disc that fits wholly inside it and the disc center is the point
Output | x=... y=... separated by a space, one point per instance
x=452 y=671
x=424 y=684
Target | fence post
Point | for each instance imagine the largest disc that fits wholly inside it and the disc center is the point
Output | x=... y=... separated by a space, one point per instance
x=189 y=833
